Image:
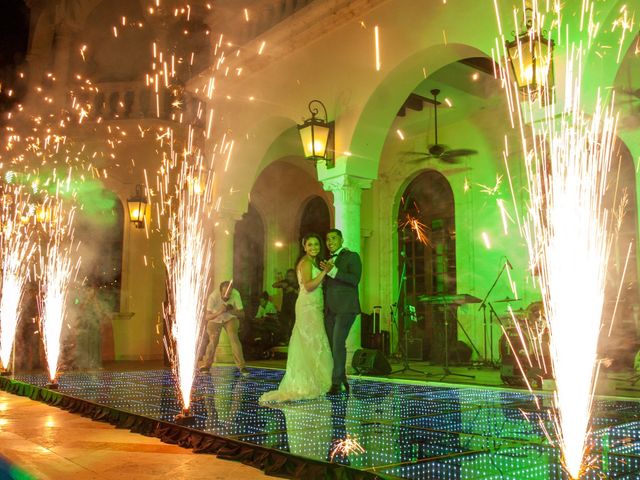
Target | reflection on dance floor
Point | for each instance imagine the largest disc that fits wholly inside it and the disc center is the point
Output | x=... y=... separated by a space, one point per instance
x=406 y=430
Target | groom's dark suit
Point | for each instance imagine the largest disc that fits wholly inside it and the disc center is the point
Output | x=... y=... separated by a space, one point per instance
x=341 y=307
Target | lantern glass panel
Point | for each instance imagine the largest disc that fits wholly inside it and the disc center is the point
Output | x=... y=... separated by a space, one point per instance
x=314 y=138
x=531 y=61
x=137 y=210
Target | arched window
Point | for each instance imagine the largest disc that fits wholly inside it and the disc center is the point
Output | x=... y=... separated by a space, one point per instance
x=428 y=260
x=315 y=219
x=248 y=259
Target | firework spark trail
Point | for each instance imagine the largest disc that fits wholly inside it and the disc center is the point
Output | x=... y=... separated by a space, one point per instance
x=567 y=228
x=16 y=248
x=187 y=256
x=345 y=447
x=419 y=228
x=185 y=187
x=570 y=229
x=38 y=135
x=56 y=271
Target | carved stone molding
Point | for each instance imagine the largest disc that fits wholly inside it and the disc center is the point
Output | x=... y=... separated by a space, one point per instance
x=347 y=189
x=300 y=27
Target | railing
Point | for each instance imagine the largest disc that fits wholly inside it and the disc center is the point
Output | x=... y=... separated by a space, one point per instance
x=134 y=100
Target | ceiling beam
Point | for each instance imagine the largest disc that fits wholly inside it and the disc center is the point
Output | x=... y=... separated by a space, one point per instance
x=415 y=102
x=482 y=64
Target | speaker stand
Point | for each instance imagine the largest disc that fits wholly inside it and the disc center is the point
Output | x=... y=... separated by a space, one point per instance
x=405 y=358
x=446 y=372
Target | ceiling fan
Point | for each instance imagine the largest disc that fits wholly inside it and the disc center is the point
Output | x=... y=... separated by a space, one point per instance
x=437 y=150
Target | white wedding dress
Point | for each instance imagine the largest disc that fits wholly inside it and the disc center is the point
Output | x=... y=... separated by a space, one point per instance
x=309 y=360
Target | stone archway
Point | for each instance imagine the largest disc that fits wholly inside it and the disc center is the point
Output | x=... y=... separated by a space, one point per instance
x=377 y=116
x=620 y=338
x=268 y=141
x=280 y=194
x=603 y=69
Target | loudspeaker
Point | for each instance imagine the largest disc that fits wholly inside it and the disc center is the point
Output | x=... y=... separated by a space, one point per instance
x=370 y=362
x=460 y=353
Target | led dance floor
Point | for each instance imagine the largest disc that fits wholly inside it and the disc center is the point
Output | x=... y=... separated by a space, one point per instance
x=414 y=431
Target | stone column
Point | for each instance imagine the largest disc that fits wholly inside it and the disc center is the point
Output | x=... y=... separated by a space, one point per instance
x=347 y=192
x=222 y=269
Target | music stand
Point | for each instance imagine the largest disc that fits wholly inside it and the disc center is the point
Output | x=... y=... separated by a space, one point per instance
x=404 y=343
x=446 y=370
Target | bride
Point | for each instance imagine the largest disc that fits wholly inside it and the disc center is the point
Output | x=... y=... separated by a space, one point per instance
x=309 y=361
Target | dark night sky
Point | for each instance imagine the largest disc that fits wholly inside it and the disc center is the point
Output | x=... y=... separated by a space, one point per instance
x=14 y=33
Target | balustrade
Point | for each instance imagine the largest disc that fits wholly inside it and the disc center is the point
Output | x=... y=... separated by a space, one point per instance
x=134 y=100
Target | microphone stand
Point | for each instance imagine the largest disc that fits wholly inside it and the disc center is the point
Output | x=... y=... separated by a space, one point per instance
x=483 y=307
x=493 y=313
x=404 y=348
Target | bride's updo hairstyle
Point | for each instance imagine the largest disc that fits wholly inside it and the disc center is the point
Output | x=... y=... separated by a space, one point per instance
x=320 y=241
x=312 y=235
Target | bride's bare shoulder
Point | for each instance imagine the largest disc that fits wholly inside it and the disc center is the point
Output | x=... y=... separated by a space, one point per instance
x=303 y=263
x=305 y=260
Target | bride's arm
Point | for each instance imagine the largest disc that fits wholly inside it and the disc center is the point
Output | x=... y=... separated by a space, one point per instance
x=308 y=282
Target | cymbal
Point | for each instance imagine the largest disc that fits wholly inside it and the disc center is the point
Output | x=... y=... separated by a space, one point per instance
x=507 y=299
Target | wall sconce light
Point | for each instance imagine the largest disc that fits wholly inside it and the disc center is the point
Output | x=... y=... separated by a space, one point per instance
x=531 y=58
x=317 y=135
x=137 y=208
x=44 y=213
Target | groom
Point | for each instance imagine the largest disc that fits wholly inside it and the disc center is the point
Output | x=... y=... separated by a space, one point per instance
x=341 y=304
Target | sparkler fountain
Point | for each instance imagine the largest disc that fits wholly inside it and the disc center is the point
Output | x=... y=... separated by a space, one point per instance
x=567 y=229
x=56 y=271
x=16 y=249
x=185 y=193
x=185 y=187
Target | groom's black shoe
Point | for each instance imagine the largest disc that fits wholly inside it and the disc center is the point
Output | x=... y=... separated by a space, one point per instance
x=334 y=390
x=347 y=387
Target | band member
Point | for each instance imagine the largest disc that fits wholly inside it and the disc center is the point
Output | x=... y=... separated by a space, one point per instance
x=224 y=310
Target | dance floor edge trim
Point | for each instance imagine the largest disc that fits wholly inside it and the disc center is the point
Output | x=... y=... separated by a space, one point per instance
x=270 y=461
